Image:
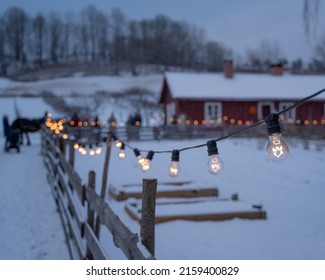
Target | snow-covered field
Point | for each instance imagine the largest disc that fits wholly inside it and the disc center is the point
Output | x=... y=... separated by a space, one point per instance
x=292 y=193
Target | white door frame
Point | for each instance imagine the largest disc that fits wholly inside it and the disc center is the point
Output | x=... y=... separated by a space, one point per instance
x=260 y=106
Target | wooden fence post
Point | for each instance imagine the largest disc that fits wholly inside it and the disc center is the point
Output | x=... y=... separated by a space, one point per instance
x=71 y=153
x=147 y=231
x=104 y=179
x=90 y=213
x=62 y=145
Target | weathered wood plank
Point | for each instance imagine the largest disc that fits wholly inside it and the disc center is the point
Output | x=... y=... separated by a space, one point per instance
x=93 y=244
x=74 y=179
x=120 y=195
x=90 y=212
x=123 y=237
x=194 y=212
x=75 y=209
x=73 y=229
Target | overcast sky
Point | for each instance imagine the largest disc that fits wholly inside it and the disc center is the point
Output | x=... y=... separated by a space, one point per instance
x=239 y=24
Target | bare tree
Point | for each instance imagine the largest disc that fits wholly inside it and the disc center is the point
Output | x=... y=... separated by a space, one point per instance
x=3 y=64
x=55 y=30
x=310 y=17
x=118 y=42
x=39 y=39
x=15 y=22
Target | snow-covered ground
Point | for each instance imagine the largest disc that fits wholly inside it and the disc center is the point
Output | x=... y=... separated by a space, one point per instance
x=31 y=228
x=292 y=193
x=81 y=85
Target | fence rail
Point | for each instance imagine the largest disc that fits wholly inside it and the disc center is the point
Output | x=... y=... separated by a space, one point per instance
x=78 y=204
x=91 y=135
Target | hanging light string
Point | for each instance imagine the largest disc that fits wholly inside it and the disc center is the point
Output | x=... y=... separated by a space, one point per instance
x=277 y=148
x=295 y=105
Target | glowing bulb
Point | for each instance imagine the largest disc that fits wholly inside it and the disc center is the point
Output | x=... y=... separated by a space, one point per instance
x=91 y=151
x=98 y=150
x=277 y=149
x=215 y=164
x=140 y=159
x=145 y=166
x=121 y=153
x=118 y=144
x=75 y=146
x=174 y=169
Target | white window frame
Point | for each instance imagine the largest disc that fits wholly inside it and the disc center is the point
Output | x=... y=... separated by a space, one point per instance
x=260 y=106
x=290 y=114
x=207 y=117
x=170 y=111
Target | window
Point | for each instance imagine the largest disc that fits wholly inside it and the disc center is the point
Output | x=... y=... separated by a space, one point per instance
x=289 y=116
x=170 y=111
x=212 y=113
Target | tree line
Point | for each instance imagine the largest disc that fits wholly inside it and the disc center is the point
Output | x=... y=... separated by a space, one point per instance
x=92 y=36
x=111 y=40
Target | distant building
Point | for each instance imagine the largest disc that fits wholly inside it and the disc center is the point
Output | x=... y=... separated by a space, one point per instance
x=216 y=98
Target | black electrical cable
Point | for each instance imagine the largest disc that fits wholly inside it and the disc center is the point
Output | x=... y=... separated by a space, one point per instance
x=295 y=105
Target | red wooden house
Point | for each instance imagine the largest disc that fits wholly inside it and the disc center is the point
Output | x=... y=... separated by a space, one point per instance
x=216 y=98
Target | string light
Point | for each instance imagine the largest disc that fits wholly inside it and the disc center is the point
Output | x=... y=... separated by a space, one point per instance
x=98 y=150
x=139 y=157
x=121 y=153
x=277 y=149
x=174 y=169
x=91 y=150
x=147 y=162
x=215 y=164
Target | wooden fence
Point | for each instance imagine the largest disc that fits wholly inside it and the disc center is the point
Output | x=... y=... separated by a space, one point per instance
x=94 y=135
x=80 y=208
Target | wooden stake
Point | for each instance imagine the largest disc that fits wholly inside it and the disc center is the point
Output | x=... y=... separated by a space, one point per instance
x=147 y=231
x=62 y=145
x=71 y=153
x=104 y=178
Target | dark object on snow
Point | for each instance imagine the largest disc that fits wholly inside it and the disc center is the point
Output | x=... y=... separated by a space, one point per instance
x=6 y=126
x=26 y=126
x=12 y=140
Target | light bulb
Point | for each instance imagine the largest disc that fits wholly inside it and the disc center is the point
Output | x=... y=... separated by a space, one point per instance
x=277 y=149
x=145 y=166
x=75 y=146
x=140 y=159
x=174 y=168
x=92 y=152
x=98 y=150
x=215 y=164
x=121 y=154
x=118 y=144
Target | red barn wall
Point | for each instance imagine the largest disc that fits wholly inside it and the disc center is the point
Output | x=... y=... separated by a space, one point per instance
x=240 y=110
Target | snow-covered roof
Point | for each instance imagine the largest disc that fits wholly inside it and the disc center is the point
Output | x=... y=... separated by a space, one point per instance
x=244 y=86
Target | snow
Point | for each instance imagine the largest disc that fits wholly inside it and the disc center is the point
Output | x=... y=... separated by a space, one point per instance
x=244 y=86
x=81 y=85
x=292 y=193
x=30 y=224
